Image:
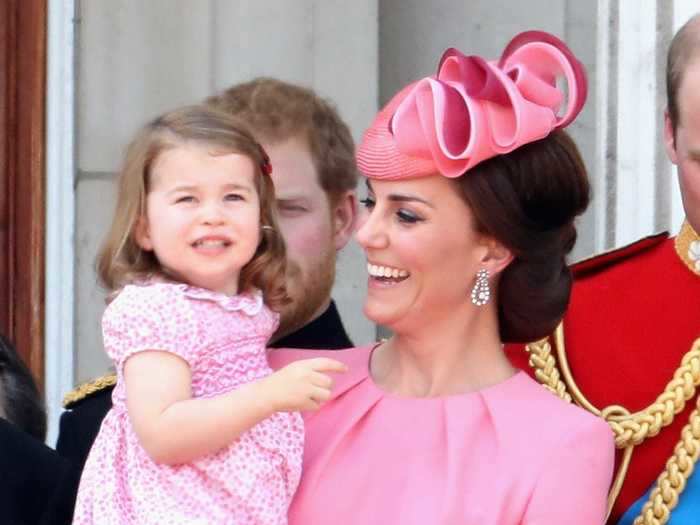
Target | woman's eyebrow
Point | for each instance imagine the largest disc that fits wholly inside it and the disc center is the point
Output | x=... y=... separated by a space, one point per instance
x=399 y=197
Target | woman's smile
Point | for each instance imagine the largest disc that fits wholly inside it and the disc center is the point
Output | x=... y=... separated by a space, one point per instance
x=386 y=274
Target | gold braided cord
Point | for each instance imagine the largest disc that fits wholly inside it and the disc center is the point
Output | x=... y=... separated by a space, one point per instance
x=545 y=366
x=670 y=484
x=84 y=390
x=631 y=429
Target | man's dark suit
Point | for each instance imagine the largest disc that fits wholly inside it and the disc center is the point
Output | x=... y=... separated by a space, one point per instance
x=37 y=485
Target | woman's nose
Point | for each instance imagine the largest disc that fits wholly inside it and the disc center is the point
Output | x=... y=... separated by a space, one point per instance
x=371 y=231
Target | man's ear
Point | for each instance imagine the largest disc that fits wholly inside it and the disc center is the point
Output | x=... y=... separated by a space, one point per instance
x=142 y=234
x=670 y=139
x=344 y=217
x=496 y=257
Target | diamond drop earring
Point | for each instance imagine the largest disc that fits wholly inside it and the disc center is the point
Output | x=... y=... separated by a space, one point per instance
x=481 y=292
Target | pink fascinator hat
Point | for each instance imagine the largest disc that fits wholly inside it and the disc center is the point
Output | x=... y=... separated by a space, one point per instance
x=475 y=109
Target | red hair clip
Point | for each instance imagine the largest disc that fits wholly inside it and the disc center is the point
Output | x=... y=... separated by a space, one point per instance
x=265 y=164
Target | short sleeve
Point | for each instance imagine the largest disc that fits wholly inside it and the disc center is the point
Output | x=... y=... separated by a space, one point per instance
x=573 y=487
x=151 y=317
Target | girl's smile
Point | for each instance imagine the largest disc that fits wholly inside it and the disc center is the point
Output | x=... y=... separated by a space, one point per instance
x=211 y=243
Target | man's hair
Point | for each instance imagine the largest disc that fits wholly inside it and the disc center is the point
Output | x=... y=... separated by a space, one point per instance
x=277 y=111
x=684 y=49
x=20 y=402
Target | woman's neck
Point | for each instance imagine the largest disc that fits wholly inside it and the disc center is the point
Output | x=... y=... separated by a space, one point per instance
x=443 y=359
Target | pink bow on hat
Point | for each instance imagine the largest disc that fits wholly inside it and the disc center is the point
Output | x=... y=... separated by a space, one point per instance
x=473 y=110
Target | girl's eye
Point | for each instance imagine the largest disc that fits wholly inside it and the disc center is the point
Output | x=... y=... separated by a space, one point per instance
x=233 y=197
x=368 y=202
x=408 y=217
x=185 y=199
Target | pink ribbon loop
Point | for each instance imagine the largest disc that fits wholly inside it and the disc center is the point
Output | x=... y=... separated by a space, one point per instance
x=474 y=109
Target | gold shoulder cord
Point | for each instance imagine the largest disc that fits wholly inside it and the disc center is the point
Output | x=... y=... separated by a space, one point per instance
x=631 y=429
x=84 y=390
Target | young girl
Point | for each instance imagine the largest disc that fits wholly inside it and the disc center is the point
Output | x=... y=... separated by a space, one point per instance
x=201 y=431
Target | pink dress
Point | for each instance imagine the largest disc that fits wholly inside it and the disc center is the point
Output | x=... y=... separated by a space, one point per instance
x=510 y=454
x=223 y=340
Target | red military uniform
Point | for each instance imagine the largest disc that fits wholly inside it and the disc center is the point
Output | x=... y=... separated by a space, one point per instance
x=634 y=314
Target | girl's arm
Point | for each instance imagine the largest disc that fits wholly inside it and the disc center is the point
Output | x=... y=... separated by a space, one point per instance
x=174 y=428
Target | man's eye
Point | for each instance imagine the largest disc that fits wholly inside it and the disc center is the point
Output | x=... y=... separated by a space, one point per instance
x=291 y=208
x=367 y=203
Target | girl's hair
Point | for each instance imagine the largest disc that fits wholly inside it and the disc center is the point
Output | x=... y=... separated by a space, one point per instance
x=527 y=200
x=122 y=261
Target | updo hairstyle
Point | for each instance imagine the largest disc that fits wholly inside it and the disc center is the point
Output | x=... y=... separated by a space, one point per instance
x=528 y=200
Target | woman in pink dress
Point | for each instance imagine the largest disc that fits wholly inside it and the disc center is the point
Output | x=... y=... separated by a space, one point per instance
x=472 y=190
x=201 y=431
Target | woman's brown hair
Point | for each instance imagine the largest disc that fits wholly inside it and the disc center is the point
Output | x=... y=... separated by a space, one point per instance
x=528 y=200
x=122 y=261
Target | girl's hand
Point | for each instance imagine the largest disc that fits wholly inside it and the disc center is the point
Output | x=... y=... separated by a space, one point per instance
x=302 y=385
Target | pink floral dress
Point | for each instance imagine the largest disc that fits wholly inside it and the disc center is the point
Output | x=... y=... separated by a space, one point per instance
x=223 y=340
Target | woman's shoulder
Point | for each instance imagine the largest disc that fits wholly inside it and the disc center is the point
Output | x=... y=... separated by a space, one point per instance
x=555 y=442
x=535 y=410
x=550 y=440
